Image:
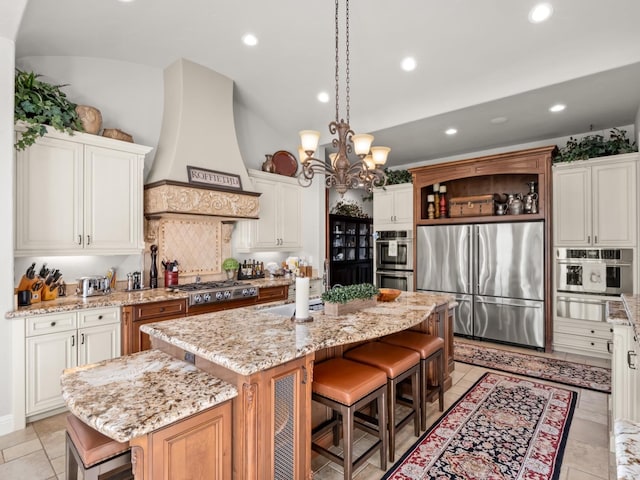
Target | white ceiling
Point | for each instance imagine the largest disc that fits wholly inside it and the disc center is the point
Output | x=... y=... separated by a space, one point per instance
x=476 y=60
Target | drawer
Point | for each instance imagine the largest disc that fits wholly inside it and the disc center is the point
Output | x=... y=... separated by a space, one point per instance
x=596 y=345
x=98 y=316
x=584 y=328
x=52 y=323
x=166 y=309
x=271 y=294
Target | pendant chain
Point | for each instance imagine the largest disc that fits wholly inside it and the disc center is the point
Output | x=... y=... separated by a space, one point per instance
x=347 y=72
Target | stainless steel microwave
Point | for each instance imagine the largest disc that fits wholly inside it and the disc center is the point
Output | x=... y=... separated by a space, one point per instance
x=600 y=271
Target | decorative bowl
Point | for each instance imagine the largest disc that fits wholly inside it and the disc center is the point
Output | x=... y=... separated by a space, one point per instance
x=388 y=294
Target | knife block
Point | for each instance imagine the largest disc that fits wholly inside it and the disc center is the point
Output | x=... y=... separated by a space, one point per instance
x=36 y=295
x=48 y=294
x=26 y=283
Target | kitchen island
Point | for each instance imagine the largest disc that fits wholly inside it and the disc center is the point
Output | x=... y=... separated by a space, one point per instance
x=269 y=359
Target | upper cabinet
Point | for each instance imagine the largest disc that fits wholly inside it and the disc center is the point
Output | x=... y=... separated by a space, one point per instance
x=595 y=202
x=79 y=194
x=279 y=225
x=393 y=207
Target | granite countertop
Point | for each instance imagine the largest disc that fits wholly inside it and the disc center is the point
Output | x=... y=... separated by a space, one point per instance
x=616 y=313
x=122 y=298
x=130 y=396
x=632 y=307
x=248 y=340
x=627 y=438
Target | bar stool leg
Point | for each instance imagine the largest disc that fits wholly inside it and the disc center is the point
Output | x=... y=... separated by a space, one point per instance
x=347 y=441
x=424 y=375
x=72 y=461
x=441 y=381
x=391 y=420
x=383 y=422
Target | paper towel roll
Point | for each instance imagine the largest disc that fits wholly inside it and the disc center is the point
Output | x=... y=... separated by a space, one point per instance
x=302 y=297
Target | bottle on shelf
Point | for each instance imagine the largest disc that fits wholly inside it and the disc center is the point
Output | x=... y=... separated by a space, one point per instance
x=436 y=199
x=443 y=201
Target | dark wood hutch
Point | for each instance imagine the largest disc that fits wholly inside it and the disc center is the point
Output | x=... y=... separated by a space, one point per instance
x=499 y=173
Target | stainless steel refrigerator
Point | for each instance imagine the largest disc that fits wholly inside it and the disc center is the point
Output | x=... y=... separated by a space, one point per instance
x=495 y=271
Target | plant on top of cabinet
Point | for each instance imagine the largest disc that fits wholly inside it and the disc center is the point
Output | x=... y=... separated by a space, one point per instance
x=349 y=209
x=395 y=177
x=593 y=146
x=38 y=104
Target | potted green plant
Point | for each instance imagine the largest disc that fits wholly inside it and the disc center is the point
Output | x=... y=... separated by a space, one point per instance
x=230 y=265
x=593 y=146
x=38 y=104
x=349 y=298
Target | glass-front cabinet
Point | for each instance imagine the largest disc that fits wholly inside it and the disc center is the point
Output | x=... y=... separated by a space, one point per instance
x=351 y=250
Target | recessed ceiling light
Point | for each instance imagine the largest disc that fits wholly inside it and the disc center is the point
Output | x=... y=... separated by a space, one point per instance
x=451 y=131
x=125 y=1
x=557 y=108
x=323 y=97
x=540 y=12
x=498 y=120
x=408 y=64
x=250 y=39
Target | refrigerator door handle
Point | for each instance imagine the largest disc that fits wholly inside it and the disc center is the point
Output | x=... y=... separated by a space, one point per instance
x=470 y=268
x=582 y=300
x=508 y=304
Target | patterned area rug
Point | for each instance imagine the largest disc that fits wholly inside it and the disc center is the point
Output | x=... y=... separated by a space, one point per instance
x=502 y=428
x=554 y=370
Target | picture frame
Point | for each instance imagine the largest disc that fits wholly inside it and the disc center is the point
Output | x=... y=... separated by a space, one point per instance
x=213 y=178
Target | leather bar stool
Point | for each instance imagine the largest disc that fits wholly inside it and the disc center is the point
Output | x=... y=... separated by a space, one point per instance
x=399 y=364
x=346 y=387
x=431 y=350
x=98 y=456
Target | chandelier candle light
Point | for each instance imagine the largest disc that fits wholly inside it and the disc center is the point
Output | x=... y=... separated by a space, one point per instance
x=339 y=172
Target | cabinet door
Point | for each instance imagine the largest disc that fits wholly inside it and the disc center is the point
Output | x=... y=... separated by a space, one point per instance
x=403 y=205
x=47 y=356
x=290 y=216
x=98 y=343
x=572 y=207
x=614 y=204
x=49 y=197
x=113 y=200
x=624 y=378
x=383 y=211
x=265 y=230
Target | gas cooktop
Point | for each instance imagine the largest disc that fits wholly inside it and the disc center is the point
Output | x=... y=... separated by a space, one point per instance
x=212 y=292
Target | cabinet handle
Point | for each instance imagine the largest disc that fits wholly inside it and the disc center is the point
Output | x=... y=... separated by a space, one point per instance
x=73 y=340
x=588 y=238
x=592 y=344
x=595 y=238
x=609 y=345
x=79 y=239
x=82 y=339
x=629 y=354
x=304 y=375
x=162 y=309
x=593 y=331
x=88 y=239
x=99 y=317
x=53 y=324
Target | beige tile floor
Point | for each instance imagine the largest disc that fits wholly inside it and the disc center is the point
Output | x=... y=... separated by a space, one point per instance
x=37 y=452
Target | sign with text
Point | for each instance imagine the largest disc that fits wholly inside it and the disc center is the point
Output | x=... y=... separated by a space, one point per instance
x=211 y=178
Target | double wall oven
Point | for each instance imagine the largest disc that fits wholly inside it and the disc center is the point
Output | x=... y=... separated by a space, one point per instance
x=587 y=278
x=394 y=259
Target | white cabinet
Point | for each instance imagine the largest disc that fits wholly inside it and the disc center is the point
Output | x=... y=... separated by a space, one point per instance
x=393 y=207
x=583 y=337
x=279 y=225
x=315 y=289
x=64 y=340
x=79 y=194
x=595 y=202
x=625 y=379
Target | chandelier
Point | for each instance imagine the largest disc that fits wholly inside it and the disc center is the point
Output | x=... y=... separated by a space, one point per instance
x=365 y=173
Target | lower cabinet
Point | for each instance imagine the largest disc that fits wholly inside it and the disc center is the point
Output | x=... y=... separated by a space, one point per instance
x=272 y=294
x=583 y=337
x=625 y=379
x=134 y=316
x=64 y=340
x=315 y=289
x=196 y=447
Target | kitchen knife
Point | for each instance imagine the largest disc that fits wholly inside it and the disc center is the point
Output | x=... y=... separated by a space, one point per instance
x=31 y=271
x=44 y=271
x=56 y=275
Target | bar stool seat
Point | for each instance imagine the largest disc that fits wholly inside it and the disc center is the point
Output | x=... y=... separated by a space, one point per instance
x=399 y=364
x=346 y=387
x=431 y=349
x=98 y=456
